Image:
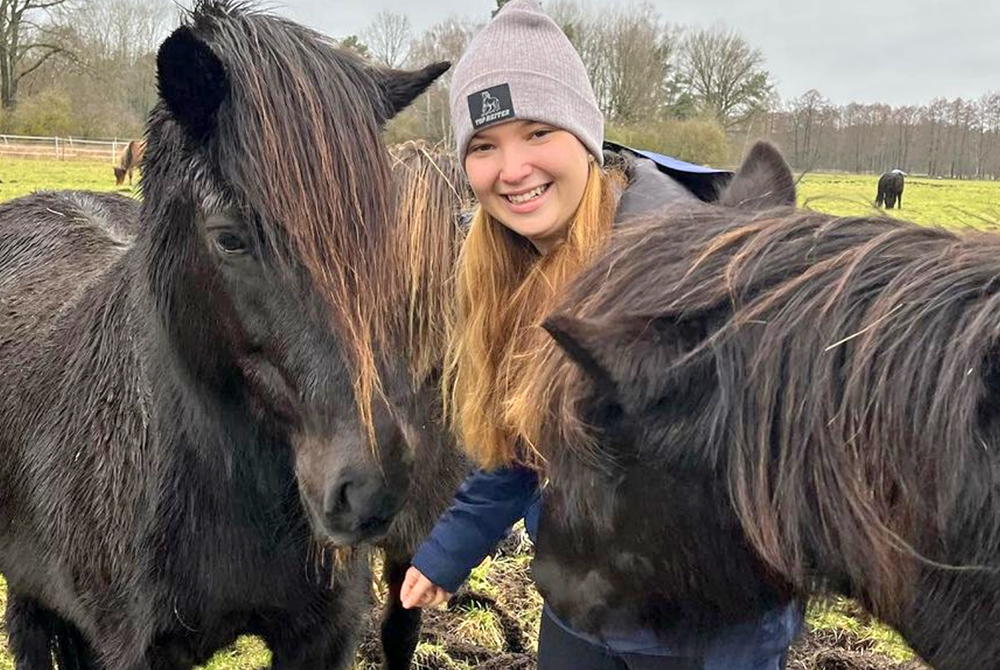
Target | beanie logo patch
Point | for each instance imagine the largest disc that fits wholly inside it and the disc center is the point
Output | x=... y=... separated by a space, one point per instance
x=490 y=106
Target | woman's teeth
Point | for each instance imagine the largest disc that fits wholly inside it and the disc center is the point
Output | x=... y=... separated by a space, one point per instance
x=530 y=195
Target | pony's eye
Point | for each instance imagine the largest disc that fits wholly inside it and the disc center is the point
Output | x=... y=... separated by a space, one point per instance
x=230 y=243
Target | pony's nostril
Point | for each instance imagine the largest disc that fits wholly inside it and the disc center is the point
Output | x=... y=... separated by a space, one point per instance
x=342 y=502
x=352 y=496
x=340 y=497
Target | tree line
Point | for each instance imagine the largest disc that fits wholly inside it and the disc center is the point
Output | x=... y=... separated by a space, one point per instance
x=85 y=68
x=944 y=138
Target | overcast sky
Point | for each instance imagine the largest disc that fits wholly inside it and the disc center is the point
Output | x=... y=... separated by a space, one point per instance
x=894 y=51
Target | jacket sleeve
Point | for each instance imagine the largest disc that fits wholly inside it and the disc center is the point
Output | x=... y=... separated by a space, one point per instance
x=487 y=504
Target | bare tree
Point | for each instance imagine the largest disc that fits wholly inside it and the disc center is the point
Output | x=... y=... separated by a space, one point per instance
x=989 y=151
x=808 y=113
x=122 y=31
x=28 y=38
x=388 y=38
x=725 y=75
x=637 y=50
x=444 y=41
x=629 y=54
x=117 y=43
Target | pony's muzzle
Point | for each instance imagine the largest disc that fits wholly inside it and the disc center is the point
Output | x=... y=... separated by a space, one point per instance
x=359 y=506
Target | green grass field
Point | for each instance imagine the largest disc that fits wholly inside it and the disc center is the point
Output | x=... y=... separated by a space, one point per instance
x=22 y=176
x=945 y=202
x=929 y=201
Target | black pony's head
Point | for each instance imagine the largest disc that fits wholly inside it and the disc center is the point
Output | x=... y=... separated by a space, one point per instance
x=755 y=405
x=268 y=216
x=632 y=500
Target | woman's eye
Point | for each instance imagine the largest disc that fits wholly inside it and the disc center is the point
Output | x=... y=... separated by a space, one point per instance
x=479 y=148
x=541 y=132
x=231 y=243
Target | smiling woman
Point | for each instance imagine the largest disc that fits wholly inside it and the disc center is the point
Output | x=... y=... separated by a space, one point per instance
x=530 y=134
x=529 y=176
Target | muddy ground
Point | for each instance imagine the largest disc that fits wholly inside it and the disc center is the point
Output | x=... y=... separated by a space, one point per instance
x=454 y=644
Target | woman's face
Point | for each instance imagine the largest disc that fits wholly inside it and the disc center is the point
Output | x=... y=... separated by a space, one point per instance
x=529 y=176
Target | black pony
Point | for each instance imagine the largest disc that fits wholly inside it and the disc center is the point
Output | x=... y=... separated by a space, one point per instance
x=764 y=405
x=203 y=399
x=890 y=190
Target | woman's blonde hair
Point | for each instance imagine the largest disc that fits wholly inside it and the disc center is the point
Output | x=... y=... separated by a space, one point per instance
x=504 y=289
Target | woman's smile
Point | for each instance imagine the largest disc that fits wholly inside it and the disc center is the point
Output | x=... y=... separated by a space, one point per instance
x=527 y=201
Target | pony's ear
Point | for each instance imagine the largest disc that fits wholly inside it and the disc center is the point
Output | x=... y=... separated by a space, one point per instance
x=401 y=87
x=586 y=342
x=764 y=180
x=192 y=81
x=632 y=360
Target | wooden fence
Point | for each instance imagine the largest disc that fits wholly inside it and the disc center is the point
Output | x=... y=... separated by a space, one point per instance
x=62 y=148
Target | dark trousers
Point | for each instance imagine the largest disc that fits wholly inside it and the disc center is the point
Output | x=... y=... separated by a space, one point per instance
x=561 y=650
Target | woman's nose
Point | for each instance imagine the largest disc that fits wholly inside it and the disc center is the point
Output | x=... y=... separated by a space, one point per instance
x=515 y=167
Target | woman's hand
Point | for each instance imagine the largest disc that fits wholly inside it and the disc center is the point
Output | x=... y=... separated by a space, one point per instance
x=418 y=591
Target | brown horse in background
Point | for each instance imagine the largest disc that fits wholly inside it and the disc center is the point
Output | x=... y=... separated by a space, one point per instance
x=129 y=161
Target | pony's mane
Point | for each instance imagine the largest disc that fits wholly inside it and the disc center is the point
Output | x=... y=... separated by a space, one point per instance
x=853 y=363
x=329 y=212
x=431 y=191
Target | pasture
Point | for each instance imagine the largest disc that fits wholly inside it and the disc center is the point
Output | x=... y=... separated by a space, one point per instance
x=499 y=614
x=946 y=202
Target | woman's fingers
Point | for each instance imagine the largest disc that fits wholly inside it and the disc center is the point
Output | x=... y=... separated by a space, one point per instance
x=414 y=588
x=418 y=591
x=439 y=596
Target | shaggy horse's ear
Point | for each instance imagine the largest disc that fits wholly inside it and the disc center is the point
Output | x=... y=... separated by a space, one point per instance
x=764 y=180
x=585 y=342
x=634 y=361
x=192 y=81
x=401 y=87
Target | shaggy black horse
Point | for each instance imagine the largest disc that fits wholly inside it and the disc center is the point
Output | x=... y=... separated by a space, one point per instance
x=764 y=405
x=890 y=190
x=204 y=402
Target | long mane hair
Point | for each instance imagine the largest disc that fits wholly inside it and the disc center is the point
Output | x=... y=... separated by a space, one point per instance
x=431 y=193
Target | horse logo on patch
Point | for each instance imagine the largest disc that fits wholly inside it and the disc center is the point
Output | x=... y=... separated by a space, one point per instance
x=490 y=106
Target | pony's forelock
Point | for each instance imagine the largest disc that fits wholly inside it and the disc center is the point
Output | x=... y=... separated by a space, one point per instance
x=328 y=213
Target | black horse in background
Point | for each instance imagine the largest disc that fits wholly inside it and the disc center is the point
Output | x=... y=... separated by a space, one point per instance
x=890 y=190
x=764 y=405
x=205 y=402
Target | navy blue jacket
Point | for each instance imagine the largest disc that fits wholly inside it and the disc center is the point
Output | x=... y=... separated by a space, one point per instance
x=488 y=503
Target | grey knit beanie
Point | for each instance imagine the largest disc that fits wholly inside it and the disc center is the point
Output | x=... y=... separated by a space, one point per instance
x=522 y=66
